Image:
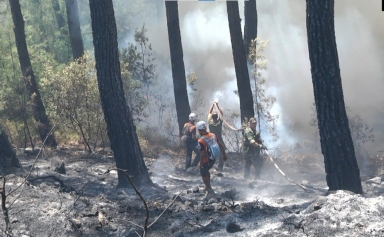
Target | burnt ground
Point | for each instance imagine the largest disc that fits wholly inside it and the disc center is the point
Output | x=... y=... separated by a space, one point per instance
x=87 y=202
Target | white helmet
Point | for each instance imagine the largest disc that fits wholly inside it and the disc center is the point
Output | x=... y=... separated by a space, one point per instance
x=201 y=125
x=192 y=117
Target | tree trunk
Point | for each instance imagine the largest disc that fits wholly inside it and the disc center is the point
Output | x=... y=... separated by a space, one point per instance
x=240 y=60
x=39 y=113
x=74 y=28
x=178 y=71
x=335 y=136
x=7 y=155
x=58 y=15
x=120 y=127
x=250 y=24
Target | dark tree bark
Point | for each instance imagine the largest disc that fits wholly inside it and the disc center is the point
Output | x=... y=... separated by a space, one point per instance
x=59 y=17
x=120 y=127
x=74 y=28
x=39 y=113
x=240 y=60
x=250 y=24
x=335 y=136
x=7 y=155
x=178 y=71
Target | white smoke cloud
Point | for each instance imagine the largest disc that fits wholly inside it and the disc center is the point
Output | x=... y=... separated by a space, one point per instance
x=207 y=52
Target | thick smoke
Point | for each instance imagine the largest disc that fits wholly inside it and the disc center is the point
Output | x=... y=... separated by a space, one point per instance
x=208 y=53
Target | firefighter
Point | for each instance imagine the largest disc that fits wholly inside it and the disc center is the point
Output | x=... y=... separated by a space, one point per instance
x=252 y=146
x=190 y=141
x=215 y=125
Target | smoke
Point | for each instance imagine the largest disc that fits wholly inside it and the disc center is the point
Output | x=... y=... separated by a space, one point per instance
x=161 y=168
x=207 y=52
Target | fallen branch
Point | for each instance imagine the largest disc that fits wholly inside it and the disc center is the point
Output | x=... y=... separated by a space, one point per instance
x=133 y=223
x=3 y=231
x=165 y=210
x=78 y=197
x=8 y=229
x=63 y=187
x=194 y=223
x=139 y=194
x=146 y=226
x=300 y=225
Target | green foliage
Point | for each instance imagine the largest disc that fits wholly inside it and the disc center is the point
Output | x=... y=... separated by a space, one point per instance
x=72 y=100
x=15 y=108
x=140 y=59
x=132 y=89
x=145 y=94
x=42 y=33
x=263 y=102
x=69 y=92
x=138 y=70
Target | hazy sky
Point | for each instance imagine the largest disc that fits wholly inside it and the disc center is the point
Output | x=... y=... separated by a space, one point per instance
x=207 y=52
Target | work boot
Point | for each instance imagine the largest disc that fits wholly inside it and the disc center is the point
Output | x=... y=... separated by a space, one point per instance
x=209 y=195
x=188 y=162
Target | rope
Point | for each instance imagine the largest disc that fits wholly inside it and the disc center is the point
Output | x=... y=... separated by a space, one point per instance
x=290 y=180
x=225 y=121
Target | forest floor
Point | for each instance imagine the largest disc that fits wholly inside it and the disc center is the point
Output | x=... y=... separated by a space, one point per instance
x=87 y=202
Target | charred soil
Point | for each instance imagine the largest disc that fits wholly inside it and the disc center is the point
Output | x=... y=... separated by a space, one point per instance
x=85 y=201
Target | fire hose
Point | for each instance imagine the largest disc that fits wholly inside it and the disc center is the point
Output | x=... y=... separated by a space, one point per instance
x=266 y=151
x=277 y=167
x=225 y=121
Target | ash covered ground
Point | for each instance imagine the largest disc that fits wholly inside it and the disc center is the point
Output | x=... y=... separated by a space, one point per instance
x=87 y=202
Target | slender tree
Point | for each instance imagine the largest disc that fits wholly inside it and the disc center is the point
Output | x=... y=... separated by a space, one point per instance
x=39 y=113
x=74 y=28
x=250 y=24
x=7 y=155
x=120 y=127
x=59 y=17
x=335 y=136
x=240 y=60
x=178 y=70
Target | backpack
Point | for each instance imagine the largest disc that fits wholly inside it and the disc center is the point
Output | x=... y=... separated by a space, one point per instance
x=213 y=148
x=186 y=130
x=187 y=134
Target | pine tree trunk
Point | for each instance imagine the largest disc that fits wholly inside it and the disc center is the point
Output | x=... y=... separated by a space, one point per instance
x=335 y=136
x=250 y=24
x=178 y=71
x=39 y=113
x=74 y=28
x=239 y=58
x=120 y=127
x=7 y=155
x=58 y=15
